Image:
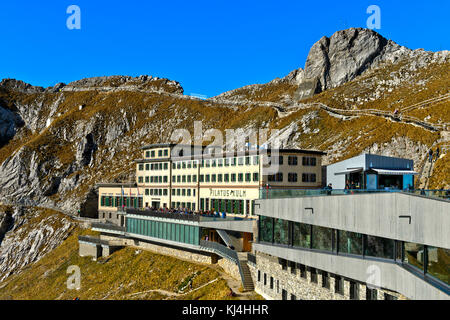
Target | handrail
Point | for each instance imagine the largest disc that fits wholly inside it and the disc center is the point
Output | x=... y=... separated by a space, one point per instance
x=167 y=215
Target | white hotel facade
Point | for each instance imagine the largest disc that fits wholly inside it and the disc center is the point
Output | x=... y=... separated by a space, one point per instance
x=165 y=178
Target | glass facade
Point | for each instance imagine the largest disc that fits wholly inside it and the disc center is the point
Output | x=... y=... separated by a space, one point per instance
x=164 y=230
x=322 y=238
x=281 y=231
x=266 y=229
x=431 y=261
x=379 y=247
x=301 y=235
x=438 y=264
x=350 y=242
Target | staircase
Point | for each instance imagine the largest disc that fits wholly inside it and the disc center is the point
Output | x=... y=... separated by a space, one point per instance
x=247 y=281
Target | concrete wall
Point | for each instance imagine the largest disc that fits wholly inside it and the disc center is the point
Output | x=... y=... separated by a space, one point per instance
x=372 y=214
x=89 y=249
x=390 y=275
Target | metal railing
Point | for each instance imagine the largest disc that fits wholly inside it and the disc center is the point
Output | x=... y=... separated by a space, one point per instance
x=296 y=193
x=161 y=214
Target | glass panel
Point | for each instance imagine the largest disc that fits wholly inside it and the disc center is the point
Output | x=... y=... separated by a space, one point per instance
x=379 y=247
x=350 y=242
x=302 y=235
x=281 y=231
x=266 y=228
x=321 y=238
x=439 y=263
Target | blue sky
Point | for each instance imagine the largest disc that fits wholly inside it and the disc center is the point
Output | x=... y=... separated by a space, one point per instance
x=208 y=46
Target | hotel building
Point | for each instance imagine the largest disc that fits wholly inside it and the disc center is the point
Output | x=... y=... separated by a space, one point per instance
x=168 y=178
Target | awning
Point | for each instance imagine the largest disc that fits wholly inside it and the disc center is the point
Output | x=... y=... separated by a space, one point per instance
x=350 y=170
x=395 y=172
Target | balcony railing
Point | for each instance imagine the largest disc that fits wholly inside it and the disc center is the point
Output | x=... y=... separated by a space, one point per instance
x=296 y=193
x=166 y=215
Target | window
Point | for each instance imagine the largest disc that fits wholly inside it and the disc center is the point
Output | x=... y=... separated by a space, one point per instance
x=213 y=178
x=183 y=165
x=259 y=275
x=302 y=235
x=309 y=161
x=308 y=177
x=194 y=164
x=174 y=165
x=293 y=297
x=202 y=178
x=194 y=178
x=292 y=160
x=354 y=290
x=141 y=179
x=325 y=280
x=339 y=285
x=302 y=268
x=184 y=178
x=438 y=263
x=240 y=177
x=159 y=153
x=281 y=231
x=248 y=177
x=166 y=152
x=219 y=177
x=166 y=166
x=322 y=238
x=241 y=161
x=283 y=294
x=233 y=177
x=153 y=154
x=147 y=154
x=313 y=272
x=189 y=164
x=247 y=161
x=178 y=165
x=266 y=229
x=389 y=297
x=271 y=283
x=292 y=177
x=350 y=242
x=226 y=177
x=207 y=178
x=220 y=162
x=213 y=163
x=265 y=278
x=280 y=160
x=141 y=167
x=255 y=160
x=379 y=247
x=255 y=176
x=371 y=294
x=207 y=163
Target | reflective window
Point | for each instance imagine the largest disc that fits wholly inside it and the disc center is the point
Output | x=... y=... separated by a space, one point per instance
x=439 y=263
x=379 y=247
x=281 y=231
x=350 y=242
x=266 y=228
x=321 y=238
x=302 y=235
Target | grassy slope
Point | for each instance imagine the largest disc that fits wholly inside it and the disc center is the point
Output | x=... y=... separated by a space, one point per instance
x=124 y=273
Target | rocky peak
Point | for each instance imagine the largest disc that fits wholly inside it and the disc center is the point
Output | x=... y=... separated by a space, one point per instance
x=20 y=86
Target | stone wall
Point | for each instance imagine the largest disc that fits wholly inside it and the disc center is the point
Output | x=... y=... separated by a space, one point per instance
x=230 y=267
x=310 y=286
